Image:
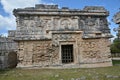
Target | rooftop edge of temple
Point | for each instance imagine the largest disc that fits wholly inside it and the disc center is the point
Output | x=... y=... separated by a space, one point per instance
x=116 y=18
x=55 y=7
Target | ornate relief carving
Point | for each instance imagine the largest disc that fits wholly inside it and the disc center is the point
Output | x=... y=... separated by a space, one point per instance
x=29 y=25
x=103 y=23
x=45 y=53
x=53 y=51
x=40 y=52
x=90 y=21
x=89 y=44
x=97 y=22
x=64 y=37
x=42 y=22
x=81 y=25
x=39 y=22
x=48 y=24
x=55 y=23
x=55 y=39
x=74 y=24
x=65 y=24
x=91 y=54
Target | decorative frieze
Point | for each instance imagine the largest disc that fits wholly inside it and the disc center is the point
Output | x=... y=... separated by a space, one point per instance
x=91 y=54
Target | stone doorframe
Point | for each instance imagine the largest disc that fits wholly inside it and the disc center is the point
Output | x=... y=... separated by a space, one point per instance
x=74 y=50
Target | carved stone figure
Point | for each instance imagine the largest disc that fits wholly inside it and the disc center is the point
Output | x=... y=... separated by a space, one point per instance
x=90 y=22
x=81 y=25
x=65 y=24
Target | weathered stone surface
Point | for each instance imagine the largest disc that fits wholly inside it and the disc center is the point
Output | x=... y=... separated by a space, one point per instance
x=43 y=29
x=94 y=8
x=7 y=51
x=116 y=18
x=42 y=6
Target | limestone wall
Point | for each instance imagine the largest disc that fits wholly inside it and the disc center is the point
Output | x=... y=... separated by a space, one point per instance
x=95 y=50
x=48 y=53
x=37 y=53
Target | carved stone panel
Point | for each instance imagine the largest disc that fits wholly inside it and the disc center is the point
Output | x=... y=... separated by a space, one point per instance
x=89 y=45
x=90 y=23
x=63 y=37
x=54 y=55
x=81 y=25
x=40 y=52
x=43 y=22
x=92 y=54
x=29 y=25
x=65 y=24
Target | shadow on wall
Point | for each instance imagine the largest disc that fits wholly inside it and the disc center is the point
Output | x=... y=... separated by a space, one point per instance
x=12 y=59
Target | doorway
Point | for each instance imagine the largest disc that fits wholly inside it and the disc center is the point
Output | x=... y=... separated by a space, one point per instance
x=67 y=53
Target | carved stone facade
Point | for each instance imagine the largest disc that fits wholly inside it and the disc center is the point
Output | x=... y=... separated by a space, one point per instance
x=43 y=30
x=116 y=19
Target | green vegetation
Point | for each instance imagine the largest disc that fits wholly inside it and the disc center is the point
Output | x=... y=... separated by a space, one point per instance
x=116 y=62
x=106 y=73
x=115 y=47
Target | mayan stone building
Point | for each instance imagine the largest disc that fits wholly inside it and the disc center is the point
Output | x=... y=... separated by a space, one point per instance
x=64 y=38
x=116 y=19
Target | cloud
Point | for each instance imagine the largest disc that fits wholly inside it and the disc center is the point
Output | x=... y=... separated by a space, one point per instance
x=8 y=22
x=9 y=5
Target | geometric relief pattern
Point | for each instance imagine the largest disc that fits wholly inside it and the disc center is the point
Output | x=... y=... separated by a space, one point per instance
x=63 y=37
x=54 y=56
x=89 y=44
x=91 y=50
x=40 y=52
x=65 y=24
x=44 y=53
x=91 y=54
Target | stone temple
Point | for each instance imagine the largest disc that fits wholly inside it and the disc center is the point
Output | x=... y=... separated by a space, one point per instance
x=116 y=19
x=48 y=36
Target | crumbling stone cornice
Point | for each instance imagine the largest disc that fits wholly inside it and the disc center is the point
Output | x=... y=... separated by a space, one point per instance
x=54 y=10
x=116 y=18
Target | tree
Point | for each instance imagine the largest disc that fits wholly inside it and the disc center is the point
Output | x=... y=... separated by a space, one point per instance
x=115 y=47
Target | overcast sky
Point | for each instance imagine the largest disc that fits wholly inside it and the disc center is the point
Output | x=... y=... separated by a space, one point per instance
x=7 y=19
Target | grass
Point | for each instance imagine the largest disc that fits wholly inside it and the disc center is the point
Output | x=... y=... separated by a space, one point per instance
x=59 y=74
x=105 y=73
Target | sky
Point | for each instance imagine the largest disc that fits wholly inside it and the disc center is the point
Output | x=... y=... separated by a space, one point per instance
x=7 y=19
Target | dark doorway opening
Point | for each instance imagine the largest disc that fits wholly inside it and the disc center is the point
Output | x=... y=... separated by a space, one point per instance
x=12 y=59
x=67 y=53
